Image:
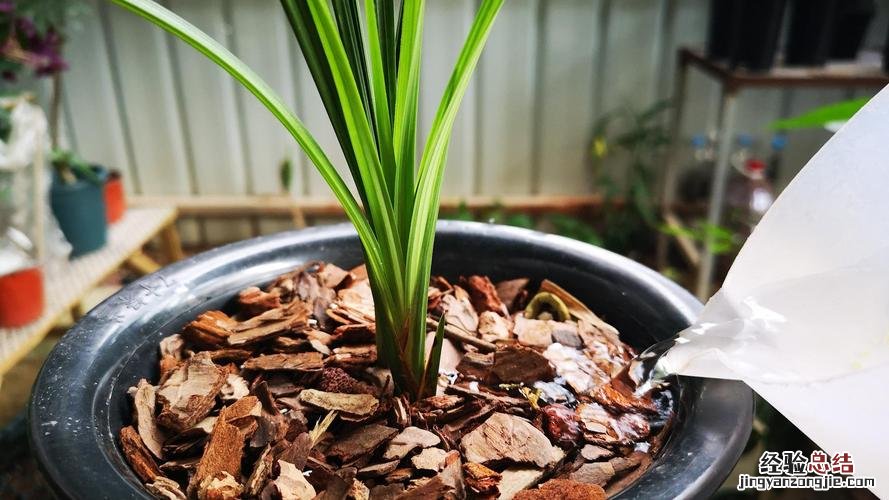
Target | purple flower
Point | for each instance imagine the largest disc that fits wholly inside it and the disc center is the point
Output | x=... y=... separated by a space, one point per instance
x=25 y=45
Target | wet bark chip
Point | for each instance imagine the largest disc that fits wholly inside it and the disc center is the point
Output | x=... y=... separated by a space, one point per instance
x=189 y=393
x=281 y=397
x=513 y=364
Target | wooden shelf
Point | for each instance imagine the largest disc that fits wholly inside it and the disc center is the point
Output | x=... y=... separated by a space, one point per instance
x=66 y=284
x=832 y=75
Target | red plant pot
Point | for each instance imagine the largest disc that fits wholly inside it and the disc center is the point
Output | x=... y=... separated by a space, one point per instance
x=21 y=297
x=115 y=204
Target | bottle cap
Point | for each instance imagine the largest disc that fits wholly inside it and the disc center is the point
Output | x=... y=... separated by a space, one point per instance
x=779 y=141
x=698 y=141
x=755 y=165
x=745 y=140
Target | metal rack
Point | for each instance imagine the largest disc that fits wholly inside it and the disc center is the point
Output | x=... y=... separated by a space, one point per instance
x=731 y=81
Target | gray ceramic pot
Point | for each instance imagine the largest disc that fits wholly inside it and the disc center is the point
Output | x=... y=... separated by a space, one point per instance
x=79 y=402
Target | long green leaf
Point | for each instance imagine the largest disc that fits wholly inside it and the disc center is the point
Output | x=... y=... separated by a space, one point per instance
x=407 y=93
x=380 y=97
x=298 y=15
x=349 y=24
x=430 y=371
x=425 y=210
x=821 y=116
x=385 y=16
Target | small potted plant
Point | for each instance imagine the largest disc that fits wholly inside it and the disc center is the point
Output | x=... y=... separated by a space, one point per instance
x=370 y=387
x=21 y=280
x=78 y=202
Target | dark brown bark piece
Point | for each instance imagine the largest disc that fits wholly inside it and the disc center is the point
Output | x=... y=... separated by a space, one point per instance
x=476 y=366
x=563 y=489
x=386 y=491
x=189 y=393
x=481 y=480
x=510 y=292
x=243 y=414
x=562 y=425
x=339 y=484
x=483 y=295
x=297 y=452
x=209 y=329
x=454 y=431
x=360 y=442
x=262 y=470
x=222 y=454
x=514 y=364
x=331 y=276
x=483 y=393
x=254 y=301
x=302 y=361
x=272 y=424
x=378 y=470
x=296 y=322
x=222 y=356
x=180 y=465
x=408 y=440
x=138 y=455
x=357 y=333
x=447 y=484
x=619 y=397
x=189 y=441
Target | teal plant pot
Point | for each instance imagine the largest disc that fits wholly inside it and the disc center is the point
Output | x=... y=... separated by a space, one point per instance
x=80 y=210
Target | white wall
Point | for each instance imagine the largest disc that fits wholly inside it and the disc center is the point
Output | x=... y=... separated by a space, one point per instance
x=141 y=101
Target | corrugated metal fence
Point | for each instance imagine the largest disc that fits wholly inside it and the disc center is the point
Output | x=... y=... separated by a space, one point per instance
x=138 y=100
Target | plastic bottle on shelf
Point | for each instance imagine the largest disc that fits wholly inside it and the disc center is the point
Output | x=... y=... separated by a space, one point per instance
x=743 y=151
x=779 y=142
x=695 y=183
x=748 y=196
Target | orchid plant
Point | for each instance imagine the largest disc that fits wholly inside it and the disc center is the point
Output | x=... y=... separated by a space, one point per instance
x=367 y=71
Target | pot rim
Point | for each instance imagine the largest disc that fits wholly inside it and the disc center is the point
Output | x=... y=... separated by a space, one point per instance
x=721 y=416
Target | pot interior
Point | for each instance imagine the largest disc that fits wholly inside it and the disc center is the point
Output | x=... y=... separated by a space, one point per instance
x=116 y=344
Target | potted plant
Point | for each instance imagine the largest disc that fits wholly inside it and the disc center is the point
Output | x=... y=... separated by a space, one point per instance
x=21 y=280
x=369 y=86
x=78 y=202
